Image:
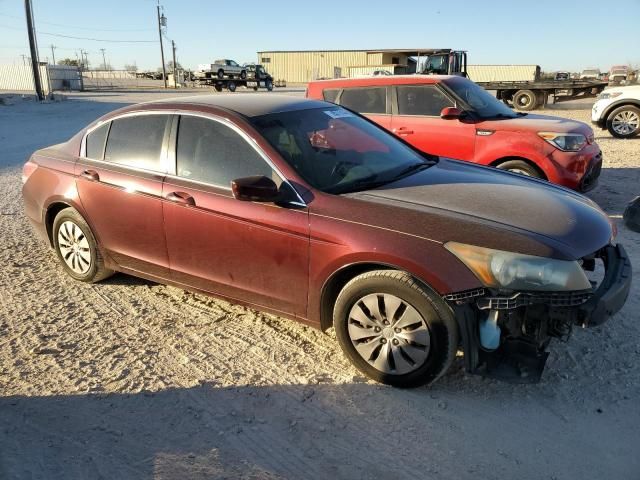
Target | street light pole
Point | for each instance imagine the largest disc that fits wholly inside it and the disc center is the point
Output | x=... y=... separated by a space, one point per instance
x=173 y=46
x=104 y=61
x=53 y=53
x=34 y=51
x=164 y=69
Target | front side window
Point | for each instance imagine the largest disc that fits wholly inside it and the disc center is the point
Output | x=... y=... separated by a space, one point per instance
x=94 y=144
x=337 y=151
x=365 y=100
x=137 y=141
x=425 y=100
x=211 y=152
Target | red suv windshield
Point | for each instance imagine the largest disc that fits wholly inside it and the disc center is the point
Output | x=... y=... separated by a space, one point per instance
x=477 y=99
x=337 y=151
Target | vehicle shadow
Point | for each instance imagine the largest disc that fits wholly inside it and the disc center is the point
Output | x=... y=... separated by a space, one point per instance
x=321 y=431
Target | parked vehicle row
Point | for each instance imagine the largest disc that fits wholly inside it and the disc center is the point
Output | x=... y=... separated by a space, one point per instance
x=452 y=116
x=308 y=210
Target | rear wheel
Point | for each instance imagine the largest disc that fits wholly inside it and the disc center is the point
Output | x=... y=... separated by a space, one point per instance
x=521 y=167
x=395 y=330
x=525 y=100
x=221 y=73
x=624 y=122
x=77 y=248
x=231 y=86
x=218 y=88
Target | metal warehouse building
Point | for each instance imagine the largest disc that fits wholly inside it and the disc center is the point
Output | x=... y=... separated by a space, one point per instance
x=299 y=66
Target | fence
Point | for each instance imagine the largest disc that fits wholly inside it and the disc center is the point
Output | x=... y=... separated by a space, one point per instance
x=114 y=79
x=18 y=78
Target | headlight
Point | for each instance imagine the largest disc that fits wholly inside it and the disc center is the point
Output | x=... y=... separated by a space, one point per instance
x=568 y=142
x=607 y=95
x=516 y=271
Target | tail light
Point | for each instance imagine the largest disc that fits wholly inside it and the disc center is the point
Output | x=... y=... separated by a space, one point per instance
x=27 y=170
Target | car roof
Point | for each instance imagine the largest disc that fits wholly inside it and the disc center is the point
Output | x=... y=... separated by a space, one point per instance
x=381 y=80
x=245 y=104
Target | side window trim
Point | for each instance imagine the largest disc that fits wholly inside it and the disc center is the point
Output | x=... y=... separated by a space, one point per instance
x=396 y=109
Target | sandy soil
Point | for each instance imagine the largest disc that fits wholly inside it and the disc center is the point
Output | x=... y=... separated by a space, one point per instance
x=130 y=379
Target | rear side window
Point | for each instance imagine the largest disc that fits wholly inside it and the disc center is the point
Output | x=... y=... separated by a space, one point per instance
x=94 y=146
x=330 y=95
x=137 y=141
x=365 y=100
x=213 y=153
x=425 y=100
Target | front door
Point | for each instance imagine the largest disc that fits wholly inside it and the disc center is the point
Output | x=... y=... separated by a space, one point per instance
x=417 y=120
x=119 y=182
x=256 y=253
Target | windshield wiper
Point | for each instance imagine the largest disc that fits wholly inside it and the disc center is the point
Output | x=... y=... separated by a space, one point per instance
x=416 y=167
x=368 y=183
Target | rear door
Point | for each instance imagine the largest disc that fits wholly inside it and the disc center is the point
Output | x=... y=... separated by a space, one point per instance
x=119 y=183
x=252 y=252
x=416 y=118
x=373 y=102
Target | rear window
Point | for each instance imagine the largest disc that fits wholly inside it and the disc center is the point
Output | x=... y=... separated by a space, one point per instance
x=137 y=141
x=365 y=100
x=330 y=95
x=94 y=147
x=425 y=100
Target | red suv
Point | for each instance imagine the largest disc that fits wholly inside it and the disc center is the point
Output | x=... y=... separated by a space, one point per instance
x=453 y=117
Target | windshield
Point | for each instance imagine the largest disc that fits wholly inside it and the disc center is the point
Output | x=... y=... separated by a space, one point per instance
x=337 y=151
x=438 y=64
x=481 y=102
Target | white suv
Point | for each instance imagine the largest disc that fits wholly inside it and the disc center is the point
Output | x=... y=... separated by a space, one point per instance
x=618 y=110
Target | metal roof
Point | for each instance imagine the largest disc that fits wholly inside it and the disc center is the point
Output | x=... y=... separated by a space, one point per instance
x=412 y=52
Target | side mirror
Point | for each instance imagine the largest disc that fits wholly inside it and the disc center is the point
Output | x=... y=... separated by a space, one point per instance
x=255 y=189
x=450 y=113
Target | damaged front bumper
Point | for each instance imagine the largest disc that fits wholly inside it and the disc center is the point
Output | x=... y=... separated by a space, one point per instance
x=526 y=321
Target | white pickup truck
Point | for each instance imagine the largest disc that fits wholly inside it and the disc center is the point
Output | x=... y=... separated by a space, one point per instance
x=221 y=68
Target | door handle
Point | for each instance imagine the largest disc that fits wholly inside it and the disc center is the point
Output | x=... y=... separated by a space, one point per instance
x=91 y=175
x=402 y=131
x=181 y=197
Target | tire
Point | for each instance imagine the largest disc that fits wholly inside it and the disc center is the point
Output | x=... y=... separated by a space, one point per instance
x=221 y=73
x=433 y=332
x=269 y=85
x=83 y=262
x=525 y=100
x=243 y=74
x=624 y=122
x=217 y=88
x=521 y=167
x=232 y=86
x=255 y=89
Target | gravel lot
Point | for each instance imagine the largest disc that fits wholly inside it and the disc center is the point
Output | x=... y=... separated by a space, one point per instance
x=130 y=379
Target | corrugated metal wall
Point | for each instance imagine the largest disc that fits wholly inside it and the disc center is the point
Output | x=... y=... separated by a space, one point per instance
x=19 y=78
x=300 y=67
x=502 y=73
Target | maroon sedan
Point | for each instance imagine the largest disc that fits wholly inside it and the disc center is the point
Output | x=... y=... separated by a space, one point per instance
x=309 y=211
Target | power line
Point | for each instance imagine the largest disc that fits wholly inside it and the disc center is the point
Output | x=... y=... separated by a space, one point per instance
x=86 y=28
x=95 y=39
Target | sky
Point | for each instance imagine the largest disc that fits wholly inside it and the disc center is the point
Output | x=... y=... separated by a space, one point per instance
x=557 y=35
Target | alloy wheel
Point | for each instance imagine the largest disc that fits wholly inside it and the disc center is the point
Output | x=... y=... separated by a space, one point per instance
x=625 y=122
x=74 y=247
x=389 y=334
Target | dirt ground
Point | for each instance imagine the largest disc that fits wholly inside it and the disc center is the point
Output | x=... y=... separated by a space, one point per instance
x=128 y=379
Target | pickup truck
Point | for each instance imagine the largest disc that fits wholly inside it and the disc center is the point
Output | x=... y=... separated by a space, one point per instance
x=222 y=68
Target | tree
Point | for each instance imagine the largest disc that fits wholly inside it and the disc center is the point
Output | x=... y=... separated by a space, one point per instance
x=170 y=66
x=69 y=62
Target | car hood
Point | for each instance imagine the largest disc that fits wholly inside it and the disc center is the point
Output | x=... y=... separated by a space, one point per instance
x=570 y=224
x=537 y=123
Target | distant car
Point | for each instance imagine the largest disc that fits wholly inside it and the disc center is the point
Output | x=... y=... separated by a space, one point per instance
x=618 y=110
x=591 y=73
x=222 y=68
x=453 y=117
x=376 y=73
x=562 y=76
x=618 y=75
x=306 y=210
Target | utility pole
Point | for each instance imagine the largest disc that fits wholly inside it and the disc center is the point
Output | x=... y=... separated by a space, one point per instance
x=162 y=20
x=53 y=54
x=173 y=46
x=34 y=50
x=23 y=59
x=104 y=61
x=83 y=59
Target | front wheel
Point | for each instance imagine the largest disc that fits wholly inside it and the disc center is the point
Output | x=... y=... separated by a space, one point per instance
x=77 y=248
x=525 y=100
x=221 y=73
x=521 y=167
x=243 y=74
x=624 y=122
x=231 y=86
x=395 y=330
